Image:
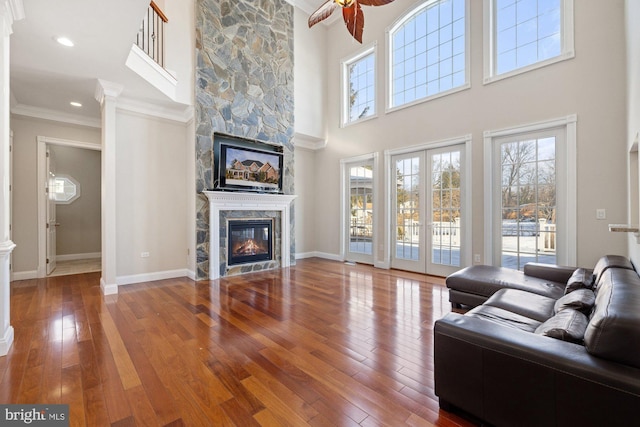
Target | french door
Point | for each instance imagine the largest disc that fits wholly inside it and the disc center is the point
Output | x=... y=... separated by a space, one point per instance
x=359 y=211
x=526 y=189
x=427 y=214
x=530 y=178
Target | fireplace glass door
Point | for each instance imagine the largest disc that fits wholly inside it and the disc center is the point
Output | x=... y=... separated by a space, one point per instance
x=250 y=241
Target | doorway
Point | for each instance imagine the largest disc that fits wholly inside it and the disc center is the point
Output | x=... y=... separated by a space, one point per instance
x=358 y=205
x=69 y=207
x=429 y=199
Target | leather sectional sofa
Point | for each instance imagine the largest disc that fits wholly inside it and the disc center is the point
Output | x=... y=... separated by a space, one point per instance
x=550 y=346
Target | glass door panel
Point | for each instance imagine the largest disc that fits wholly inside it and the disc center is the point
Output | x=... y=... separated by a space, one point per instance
x=528 y=201
x=408 y=243
x=360 y=214
x=445 y=210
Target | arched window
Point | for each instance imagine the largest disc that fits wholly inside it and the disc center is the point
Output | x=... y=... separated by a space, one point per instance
x=428 y=51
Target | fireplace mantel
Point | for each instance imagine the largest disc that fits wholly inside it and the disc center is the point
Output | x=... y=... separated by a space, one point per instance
x=235 y=201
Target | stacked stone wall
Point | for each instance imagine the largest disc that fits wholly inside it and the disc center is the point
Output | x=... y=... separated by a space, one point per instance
x=244 y=87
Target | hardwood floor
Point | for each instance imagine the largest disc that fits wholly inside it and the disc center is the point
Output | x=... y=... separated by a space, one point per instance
x=321 y=343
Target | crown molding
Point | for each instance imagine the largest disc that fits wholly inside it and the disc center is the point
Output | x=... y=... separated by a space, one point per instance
x=56 y=116
x=182 y=114
x=10 y=11
x=308 y=142
x=106 y=88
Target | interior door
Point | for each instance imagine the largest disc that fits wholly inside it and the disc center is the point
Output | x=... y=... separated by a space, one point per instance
x=51 y=213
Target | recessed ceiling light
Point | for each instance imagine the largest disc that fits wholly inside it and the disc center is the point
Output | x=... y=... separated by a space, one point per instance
x=75 y=104
x=64 y=41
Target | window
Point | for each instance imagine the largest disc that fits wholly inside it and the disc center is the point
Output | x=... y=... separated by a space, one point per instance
x=531 y=181
x=359 y=94
x=64 y=189
x=526 y=34
x=428 y=52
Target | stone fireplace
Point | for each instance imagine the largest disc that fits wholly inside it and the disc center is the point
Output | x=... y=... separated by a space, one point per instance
x=244 y=87
x=226 y=208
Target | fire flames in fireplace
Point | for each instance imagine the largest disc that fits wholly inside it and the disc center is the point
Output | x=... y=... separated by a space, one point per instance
x=248 y=247
x=250 y=241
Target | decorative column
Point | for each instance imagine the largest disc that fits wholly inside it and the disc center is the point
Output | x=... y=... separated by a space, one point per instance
x=10 y=11
x=107 y=94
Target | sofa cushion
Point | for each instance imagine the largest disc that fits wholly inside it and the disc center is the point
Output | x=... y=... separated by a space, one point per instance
x=567 y=325
x=614 y=329
x=581 y=300
x=504 y=317
x=533 y=306
x=607 y=262
x=485 y=280
x=580 y=279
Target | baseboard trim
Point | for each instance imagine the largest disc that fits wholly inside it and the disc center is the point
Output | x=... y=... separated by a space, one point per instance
x=24 y=275
x=6 y=341
x=110 y=289
x=316 y=254
x=382 y=264
x=150 y=277
x=191 y=275
x=74 y=257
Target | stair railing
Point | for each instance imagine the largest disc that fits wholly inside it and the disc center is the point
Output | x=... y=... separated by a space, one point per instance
x=150 y=37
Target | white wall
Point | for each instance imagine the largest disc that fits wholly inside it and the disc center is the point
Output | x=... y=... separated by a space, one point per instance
x=151 y=192
x=179 y=46
x=25 y=201
x=632 y=14
x=592 y=85
x=310 y=94
x=310 y=63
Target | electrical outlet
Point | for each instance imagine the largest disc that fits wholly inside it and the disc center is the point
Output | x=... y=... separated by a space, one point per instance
x=144 y=255
x=476 y=258
x=601 y=214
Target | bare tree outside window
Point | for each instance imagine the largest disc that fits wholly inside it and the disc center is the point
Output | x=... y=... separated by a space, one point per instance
x=361 y=97
x=528 y=199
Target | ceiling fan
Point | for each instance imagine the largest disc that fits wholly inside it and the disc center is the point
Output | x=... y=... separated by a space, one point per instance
x=351 y=12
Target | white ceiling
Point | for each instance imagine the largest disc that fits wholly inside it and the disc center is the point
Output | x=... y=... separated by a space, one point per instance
x=46 y=76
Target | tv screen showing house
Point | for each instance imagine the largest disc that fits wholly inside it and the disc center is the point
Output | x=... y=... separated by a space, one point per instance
x=247 y=165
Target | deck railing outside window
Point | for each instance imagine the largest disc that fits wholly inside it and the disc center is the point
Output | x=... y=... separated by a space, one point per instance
x=151 y=35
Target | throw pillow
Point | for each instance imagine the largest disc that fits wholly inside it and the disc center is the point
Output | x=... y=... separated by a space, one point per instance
x=568 y=325
x=581 y=300
x=580 y=279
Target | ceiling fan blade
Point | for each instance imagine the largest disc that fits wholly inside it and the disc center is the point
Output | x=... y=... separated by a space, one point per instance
x=374 y=2
x=354 y=19
x=322 y=13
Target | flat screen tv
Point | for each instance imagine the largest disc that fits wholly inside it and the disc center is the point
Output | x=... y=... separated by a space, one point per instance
x=242 y=164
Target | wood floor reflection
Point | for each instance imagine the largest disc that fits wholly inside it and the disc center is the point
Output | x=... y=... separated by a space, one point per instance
x=321 y=343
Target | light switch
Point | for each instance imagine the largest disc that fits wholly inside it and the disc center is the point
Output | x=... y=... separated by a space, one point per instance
x=601 y=214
